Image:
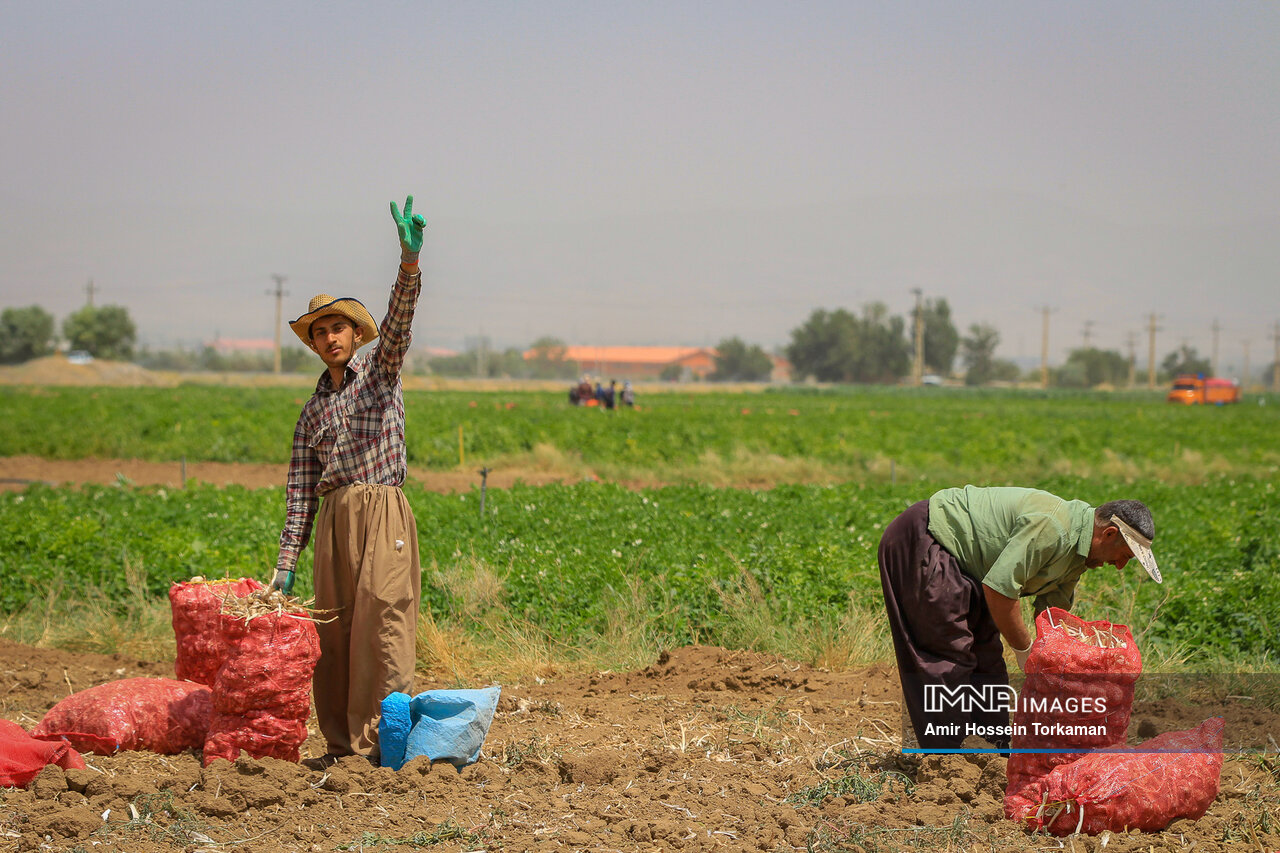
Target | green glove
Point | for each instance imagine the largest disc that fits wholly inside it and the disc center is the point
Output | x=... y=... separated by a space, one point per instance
x=283 y=581
x=410 y=228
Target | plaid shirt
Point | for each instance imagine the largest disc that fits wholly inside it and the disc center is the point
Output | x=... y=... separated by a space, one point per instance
x=353 y=434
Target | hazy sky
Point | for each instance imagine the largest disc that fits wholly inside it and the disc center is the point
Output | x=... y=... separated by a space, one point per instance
x=651 y=173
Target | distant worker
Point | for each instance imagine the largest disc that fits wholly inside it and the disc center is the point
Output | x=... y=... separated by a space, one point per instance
x=953 y=568
x=611 y=394
x=349 y=449
x=628 y=394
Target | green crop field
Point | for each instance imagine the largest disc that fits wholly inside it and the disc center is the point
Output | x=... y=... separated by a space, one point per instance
x=794 y=434
x=786 y=568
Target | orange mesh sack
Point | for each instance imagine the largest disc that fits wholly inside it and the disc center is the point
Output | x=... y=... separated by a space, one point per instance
x=262 y=694
x=1176 y=775
x=1077 y=696
x=195 y=605
x=153 y=714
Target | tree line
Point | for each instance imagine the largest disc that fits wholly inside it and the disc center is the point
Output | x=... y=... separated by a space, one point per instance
x=104 y=332
x=830 y=346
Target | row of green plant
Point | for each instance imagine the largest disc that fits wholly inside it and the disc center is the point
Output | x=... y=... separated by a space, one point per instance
x=692 y=563
x=849 y=433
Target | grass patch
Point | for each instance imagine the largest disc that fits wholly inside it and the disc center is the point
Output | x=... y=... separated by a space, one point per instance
x=836 y=837
x=156 y=818
x=864 y=788
x=518 y=753
x=138 y=625
x=438 y=834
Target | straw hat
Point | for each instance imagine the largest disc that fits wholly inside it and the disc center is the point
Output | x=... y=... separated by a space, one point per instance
x=324 y=305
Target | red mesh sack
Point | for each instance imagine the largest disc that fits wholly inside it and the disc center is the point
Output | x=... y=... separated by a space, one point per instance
x=22 y=757
x=258 y=733
x=153 y=714
x=1175 y=776
x=1077 y=696
x=196 y=627
x=262 y=693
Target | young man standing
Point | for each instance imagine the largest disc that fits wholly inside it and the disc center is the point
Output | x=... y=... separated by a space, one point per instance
x=349 y=449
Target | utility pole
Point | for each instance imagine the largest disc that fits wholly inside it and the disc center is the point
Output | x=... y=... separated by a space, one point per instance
x=1132 y=340
x=1275 y=365
x=1044 y=348
x=1213 y=363
x=1087 y=332
x=1151 y=351
x=279 y=293
x=89 y=289
x=918 y=372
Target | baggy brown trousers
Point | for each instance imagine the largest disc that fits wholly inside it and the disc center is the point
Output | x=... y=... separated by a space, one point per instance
x=943 y=632
x=367 y=572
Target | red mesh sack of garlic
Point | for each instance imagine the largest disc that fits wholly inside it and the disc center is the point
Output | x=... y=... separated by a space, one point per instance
x=151 y=714
x=1175 y=775
x=22 y=756
x=1077 y=697
x=195 y=606
x=262 y=693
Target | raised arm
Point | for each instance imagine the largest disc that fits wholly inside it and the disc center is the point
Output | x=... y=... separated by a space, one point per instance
x=396 y=330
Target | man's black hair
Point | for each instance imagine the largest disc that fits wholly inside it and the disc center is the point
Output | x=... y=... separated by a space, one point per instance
x=1133 y=513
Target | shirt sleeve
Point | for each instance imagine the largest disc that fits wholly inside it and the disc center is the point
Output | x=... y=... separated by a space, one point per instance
x=1034 y=543
x=396 y=330
x=300 y=500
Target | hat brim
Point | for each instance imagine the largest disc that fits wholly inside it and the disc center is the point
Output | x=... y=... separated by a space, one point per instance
x=1141 y=550
x=352 y=309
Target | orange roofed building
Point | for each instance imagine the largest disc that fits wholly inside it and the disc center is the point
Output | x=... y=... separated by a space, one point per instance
x=648 y=362
x=638 y=362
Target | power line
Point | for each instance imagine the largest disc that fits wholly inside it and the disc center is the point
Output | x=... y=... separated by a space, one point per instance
x=1152 y=328
x=1044 y=346
x=1213 y=363
x=918 y=377
x=279 y=294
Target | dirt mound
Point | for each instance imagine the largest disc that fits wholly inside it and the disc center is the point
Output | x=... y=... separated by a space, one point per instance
x=706 y=749
x=57 y=370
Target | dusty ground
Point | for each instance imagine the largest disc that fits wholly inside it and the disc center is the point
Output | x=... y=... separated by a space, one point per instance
x=705 y=749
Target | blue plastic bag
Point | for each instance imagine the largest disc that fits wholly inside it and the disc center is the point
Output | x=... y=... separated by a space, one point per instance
x=444 y=725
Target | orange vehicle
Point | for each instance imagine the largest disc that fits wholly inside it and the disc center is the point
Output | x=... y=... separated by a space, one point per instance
x=1195 y=388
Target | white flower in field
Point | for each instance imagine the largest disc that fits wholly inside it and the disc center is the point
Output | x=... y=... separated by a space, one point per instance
x=615 y=552
x=638 y=542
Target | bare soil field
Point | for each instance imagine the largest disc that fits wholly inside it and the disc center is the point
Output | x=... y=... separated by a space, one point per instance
x=706 y=749
x=18 y=472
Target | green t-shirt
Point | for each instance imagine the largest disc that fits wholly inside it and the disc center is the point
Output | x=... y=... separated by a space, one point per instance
x=1019 y=542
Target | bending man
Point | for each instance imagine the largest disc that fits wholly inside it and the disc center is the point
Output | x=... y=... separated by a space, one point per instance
x=349 y=449
x=953 y=568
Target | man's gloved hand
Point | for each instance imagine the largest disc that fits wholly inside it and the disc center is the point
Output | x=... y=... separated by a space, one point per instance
x=1021 y=655
x=410 y=227
x=283 y=581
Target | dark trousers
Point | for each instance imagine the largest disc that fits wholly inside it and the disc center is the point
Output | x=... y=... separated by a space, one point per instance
x=943 y=632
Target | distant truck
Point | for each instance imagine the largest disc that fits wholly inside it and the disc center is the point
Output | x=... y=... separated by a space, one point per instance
x=1192 y=389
